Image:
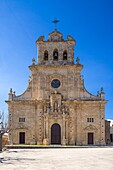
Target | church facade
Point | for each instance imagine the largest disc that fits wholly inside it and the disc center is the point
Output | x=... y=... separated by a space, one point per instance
x=56 y=108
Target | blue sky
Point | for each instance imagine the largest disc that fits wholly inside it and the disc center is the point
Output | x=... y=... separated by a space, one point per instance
x=90 y=22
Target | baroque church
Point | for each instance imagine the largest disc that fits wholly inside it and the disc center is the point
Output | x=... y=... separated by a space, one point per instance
x=56 y=108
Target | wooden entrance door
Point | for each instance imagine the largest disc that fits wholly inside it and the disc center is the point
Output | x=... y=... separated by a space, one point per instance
x=90 y=138
x=111 y=137
x=55 y=134
x=22 y=138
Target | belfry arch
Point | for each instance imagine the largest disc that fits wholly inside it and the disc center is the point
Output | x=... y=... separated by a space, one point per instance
x=55 y=55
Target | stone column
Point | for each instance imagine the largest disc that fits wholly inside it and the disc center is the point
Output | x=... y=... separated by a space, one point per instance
x=102 y=126
x=36 y=124
x=45 y=140
x=72 y=127
x=44 y=127
x=63 y=130
x=78 y=125
x=39 y=88
x=66 y=131
x=40 y=124
x=47 y=130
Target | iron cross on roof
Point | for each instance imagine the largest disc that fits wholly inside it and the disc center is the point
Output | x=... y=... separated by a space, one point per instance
x=55 y=21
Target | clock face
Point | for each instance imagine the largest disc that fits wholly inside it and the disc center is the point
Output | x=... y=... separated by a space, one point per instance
x=55 y=83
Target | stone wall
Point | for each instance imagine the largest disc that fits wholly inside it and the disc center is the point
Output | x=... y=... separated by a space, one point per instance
x=79 y=114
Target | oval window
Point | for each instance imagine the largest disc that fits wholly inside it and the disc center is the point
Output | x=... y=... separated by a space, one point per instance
x=55 y=83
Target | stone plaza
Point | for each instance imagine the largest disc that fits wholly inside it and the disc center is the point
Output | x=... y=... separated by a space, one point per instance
x=57 y=159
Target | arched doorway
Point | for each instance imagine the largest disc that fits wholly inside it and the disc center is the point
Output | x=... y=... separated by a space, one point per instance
x=55 y=134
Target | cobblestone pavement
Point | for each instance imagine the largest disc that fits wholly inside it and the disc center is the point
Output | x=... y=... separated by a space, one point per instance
x=57 y=159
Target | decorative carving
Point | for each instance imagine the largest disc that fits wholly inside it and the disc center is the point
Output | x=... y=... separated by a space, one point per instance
x=70 y=38
x=90 y=127
x=56 y=106
x=41 y=38
x=78 y=60
x=55 y=36
x=48 y=109
x=102 y=90
x=33 y=61
x=10 y=90
x=45 y=108
x=21 y=127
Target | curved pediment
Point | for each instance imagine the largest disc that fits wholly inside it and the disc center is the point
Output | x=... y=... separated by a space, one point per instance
x=90 y=127
x=21 y=127
x=55 y=36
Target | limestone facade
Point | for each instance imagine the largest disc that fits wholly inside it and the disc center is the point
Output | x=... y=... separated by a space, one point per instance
x=56 y=108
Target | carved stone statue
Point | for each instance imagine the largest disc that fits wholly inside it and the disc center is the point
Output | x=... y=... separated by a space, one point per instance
x=48 y=109
x=45 y=108
x=56 y=106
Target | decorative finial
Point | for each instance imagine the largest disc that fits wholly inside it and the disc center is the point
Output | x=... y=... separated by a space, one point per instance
x=33 y=61
x=10 y=94
x=55 y=21
x=102 y=90
x=102 y=93
x=14 y=94
x=78 y=60
x=98 y=93
x=10 y=90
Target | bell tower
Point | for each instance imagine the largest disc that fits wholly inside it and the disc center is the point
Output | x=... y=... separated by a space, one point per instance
x=56 y=50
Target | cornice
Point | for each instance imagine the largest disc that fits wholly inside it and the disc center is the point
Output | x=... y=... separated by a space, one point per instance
x=25 y=102
x=64 y=101
x=49 y=67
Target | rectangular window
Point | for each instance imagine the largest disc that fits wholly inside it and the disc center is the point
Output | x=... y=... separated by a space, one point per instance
x=90 y=119
x=22 y=119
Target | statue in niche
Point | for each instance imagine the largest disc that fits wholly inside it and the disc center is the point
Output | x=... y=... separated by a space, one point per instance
x=56 y=106
x=52 y=108
x=63 y=109
x=45 y=108
x=59 y=108
x=48 y=108
x=66 y=109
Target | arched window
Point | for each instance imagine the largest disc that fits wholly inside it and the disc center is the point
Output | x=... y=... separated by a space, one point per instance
x=55 y=54
x=65 y=55
x=46 y=55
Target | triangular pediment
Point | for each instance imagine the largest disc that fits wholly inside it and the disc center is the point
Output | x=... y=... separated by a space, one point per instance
x=90 y=127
